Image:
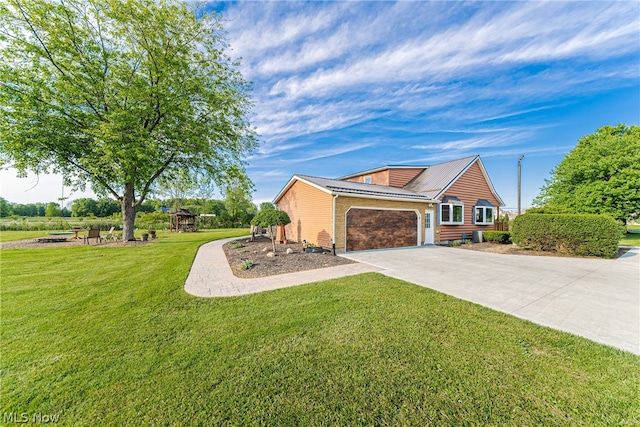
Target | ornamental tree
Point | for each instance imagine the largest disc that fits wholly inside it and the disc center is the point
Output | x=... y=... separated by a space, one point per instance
x=600 y=175
x=270 y=218
x=120 y=95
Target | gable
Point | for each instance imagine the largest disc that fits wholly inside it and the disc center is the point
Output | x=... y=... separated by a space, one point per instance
x=391 y=176
x=471 y=186
x=436 y=180
x=378 y=178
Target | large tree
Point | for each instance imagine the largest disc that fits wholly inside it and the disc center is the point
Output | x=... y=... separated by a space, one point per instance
x=5 y=208
x=238 y=204
x=119 y=94
x=600 y=175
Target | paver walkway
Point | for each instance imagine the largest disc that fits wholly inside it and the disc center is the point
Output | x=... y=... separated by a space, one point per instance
x=211 y=276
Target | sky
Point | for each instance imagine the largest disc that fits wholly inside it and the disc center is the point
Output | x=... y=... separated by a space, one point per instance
x=342 y=87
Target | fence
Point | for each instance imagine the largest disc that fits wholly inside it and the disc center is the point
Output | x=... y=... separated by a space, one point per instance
x=502 y=226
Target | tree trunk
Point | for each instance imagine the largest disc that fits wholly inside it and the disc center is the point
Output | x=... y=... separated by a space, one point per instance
x=128 y=213
x=273 y=237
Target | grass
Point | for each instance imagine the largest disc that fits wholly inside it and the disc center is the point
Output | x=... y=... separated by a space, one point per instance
x=630 y=239
x=107 y=336
x=8 y=236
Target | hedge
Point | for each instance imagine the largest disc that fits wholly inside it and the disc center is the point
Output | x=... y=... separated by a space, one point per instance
x=575 y=234
x=503 y=237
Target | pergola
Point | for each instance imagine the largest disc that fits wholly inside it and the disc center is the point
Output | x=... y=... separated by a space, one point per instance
x=182 y=220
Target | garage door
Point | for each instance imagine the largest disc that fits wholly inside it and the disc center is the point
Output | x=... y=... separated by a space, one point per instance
x=381 y=228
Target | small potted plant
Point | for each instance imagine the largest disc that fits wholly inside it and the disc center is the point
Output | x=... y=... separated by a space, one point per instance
x=145 y=237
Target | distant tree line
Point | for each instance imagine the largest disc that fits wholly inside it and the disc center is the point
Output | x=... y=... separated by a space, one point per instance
x=236 y=210
x=51 y=209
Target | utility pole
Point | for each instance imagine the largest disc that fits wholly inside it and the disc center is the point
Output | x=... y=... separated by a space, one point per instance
x=520 y=183
x=62 y=199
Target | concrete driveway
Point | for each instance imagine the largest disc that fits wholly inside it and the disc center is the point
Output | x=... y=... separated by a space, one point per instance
x=594 y=298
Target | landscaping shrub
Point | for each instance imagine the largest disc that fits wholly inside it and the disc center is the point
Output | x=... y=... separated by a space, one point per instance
x=57 y=224
x=576 y=234
x=44 y=225
x=502 y=237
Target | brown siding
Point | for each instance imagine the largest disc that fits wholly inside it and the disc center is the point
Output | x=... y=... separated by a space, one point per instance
x=378 y=178
x=401 y=177
x=310 y=211
x=470 y=187
x=390 y=177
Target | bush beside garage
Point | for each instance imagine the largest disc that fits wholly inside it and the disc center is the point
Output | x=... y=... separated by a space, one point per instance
x=574 y=234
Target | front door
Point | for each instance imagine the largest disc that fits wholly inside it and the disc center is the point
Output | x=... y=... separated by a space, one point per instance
x=428 y=230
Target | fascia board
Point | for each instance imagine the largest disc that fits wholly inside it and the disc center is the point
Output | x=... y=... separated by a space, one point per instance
x=491 y=187
x=292 y=181
x=484 y=173
x=395 y=199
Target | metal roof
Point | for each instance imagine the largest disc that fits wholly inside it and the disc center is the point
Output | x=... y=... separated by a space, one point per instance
x=452 y=199
x=427 y=186
x=437 y=178
x=359 y=188
x=356 y=189
x=434 y=181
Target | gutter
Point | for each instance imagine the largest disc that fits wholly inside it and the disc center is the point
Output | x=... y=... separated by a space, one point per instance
x=390 y=198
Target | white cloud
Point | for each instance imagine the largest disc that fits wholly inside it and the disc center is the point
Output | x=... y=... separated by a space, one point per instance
x=520 y=34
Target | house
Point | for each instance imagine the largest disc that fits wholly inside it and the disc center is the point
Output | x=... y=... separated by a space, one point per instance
x=391 y=206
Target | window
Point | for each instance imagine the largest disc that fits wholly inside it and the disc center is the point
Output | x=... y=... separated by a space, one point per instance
x=484 y=215
x=367 y=179
x=451 y=213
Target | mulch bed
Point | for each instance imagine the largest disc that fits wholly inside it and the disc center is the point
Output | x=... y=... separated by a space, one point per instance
x=516 y=250
x=255 y=253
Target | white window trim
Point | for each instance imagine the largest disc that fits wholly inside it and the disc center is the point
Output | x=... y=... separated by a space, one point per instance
x=367 y=179
x=484 y=215
x=451 y=205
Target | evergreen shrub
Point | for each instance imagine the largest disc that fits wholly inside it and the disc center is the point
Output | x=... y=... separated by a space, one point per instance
x=503 y=237
x=575 y=234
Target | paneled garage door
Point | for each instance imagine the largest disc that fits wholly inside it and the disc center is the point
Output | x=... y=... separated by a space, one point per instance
x=381 y=228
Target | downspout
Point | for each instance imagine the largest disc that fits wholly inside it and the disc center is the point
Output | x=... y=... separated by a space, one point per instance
x=333 y=224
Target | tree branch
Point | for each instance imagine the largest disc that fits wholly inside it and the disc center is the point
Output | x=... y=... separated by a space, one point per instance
x=43 y=102
x=37 y=36
x=145 y=190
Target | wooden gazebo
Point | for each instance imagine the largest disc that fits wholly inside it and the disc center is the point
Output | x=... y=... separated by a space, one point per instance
x=182 y=220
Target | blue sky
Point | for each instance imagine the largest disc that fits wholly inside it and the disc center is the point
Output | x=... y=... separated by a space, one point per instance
x=341 y=87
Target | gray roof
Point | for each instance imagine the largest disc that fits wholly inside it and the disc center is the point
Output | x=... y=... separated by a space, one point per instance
x=437 y=178
x=358 y=188
x=427 y=186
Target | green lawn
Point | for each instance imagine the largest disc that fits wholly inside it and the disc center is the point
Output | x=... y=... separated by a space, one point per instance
x=631 y=239
x=107 y=336
x=7 y=236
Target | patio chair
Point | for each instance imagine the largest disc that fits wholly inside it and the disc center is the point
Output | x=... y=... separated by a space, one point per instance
x=110 y=237
x=94 y=233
